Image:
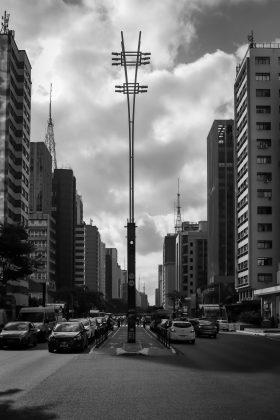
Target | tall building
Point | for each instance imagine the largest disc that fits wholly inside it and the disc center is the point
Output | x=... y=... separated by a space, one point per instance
x=112 y=273
x=87 y=254
x=64 y=212
x=15 y=114
x=168 y=269
x=41 y=224
x=80 y=209
x=257 y=154
x=191 y=260
x=220 y=208
x=40 y=199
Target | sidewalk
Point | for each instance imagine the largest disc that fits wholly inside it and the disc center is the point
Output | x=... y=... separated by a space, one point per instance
x=146 y=344
x=265 y=332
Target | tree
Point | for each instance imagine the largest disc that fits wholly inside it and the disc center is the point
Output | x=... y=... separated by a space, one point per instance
x=15 y=250
x=176 y=299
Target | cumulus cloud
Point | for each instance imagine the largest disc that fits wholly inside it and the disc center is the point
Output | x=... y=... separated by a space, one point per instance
x=69 y=44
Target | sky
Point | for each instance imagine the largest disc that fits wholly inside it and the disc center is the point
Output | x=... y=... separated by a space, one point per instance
x=195 y=46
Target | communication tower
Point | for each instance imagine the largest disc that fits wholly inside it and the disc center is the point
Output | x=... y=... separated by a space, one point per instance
x=49 y=138
x=178 y=224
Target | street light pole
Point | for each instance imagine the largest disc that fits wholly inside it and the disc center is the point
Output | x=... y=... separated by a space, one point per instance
x=131 y=59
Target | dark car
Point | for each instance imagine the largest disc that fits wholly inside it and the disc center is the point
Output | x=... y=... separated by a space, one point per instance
x=204 y=328
x=20 y=334
x=68 y=336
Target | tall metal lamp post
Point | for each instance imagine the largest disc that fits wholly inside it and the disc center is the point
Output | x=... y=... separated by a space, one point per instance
x=131 y=59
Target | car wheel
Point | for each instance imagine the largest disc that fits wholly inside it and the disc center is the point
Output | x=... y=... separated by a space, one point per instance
x=192 y=341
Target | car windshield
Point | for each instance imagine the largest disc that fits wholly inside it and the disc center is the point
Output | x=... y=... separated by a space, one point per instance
x=32 y=316
x=69 y=327
x=182 y=324
x=16 y=326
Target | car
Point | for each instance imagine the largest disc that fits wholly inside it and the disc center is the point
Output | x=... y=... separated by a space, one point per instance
x=179 y=330
x=20 y=334
x=223 y=325
x=68 y=335
x=89 y=326
x=204 y=328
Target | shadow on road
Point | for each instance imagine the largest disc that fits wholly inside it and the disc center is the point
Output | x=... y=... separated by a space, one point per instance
x=8 y=412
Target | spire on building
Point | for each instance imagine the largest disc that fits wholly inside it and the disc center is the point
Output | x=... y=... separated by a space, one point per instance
x=5 y=23
x=49 y=138
x=178 y=224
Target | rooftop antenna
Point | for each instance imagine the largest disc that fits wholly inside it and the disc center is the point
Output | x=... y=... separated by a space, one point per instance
x=49 y=138
x=251 y=39
x=178 y=224
x=5 y=23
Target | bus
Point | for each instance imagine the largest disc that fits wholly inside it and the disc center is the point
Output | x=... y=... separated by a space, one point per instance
x=213 y=312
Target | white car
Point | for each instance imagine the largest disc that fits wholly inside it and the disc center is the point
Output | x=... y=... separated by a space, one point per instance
x=181 y=331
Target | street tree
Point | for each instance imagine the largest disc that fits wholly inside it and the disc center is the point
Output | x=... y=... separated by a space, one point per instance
x=15 y=254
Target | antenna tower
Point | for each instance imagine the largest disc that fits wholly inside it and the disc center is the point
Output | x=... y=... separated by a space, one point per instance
x=49 y=138
x=5 y=23
x=178 y=224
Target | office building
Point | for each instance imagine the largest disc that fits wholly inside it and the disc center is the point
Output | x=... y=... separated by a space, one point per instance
x=220 y=210
x=168 y=269
x=41 y=224
x=87 y=254
x=64 y=212
x=257 y=154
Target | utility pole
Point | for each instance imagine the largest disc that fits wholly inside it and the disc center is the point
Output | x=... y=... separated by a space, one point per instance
x=131 y=59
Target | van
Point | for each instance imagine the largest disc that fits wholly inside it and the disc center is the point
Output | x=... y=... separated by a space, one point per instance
x=44 y=319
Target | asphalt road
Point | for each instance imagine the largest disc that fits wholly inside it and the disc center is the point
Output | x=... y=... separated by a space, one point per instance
x=231 y=378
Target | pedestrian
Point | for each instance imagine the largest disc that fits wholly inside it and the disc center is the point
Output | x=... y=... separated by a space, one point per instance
x=119 y=322
x=144 y=323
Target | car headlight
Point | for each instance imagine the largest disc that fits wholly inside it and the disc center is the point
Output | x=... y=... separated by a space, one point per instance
x=38 y=330
x=172 y=329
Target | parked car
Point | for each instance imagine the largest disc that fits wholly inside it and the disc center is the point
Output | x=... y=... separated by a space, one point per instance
x=223 y=325
x=180 y=331
x=204 y=328
x=89 y=326
x=20 y=334
x=68 y=336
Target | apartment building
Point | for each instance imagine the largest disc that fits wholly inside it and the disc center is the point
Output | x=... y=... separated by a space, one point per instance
x=15 y=116
x=257 y=155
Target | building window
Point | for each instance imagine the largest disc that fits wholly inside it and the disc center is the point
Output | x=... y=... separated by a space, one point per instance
x=263 y=109
x=263 y=93
x=262 y=76
x=264 y=227
x=264 y=244
x=264 y=261
x=263 y=143
x=263 y=159
x=264 y=177
x=262 y=60
x=264 y=210
x=264 y=194
x=265 y=277
x=263 y=126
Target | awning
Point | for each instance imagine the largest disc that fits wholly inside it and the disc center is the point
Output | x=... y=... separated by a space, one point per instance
x=274 y=290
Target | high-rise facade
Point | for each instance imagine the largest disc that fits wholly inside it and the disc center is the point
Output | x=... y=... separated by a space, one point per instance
x=220 y=207
x=191 y=259
x=15 y=114
x=257 y=154
x=41 y=224
x=64 y=212
x=168 y=269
